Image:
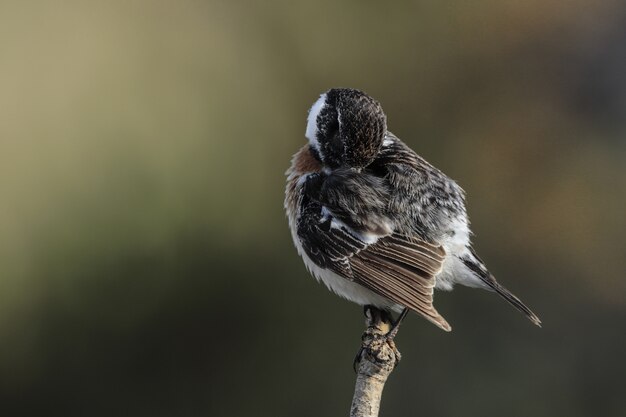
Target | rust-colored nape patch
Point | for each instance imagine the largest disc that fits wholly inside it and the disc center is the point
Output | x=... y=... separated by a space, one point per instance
x=304 y=162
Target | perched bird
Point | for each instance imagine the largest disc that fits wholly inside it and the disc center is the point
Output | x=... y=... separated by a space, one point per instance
x=373 y=220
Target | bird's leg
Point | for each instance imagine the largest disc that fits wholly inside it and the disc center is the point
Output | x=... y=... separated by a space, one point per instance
x=379 y=326
x=391 y=334
x=396 y=324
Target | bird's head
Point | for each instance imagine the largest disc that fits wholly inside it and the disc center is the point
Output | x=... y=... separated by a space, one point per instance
x=346 y=127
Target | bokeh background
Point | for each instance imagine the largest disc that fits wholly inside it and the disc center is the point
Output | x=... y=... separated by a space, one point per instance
x=146 y=267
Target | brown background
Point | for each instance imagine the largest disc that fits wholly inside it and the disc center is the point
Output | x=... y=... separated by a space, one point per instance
x=146 y=268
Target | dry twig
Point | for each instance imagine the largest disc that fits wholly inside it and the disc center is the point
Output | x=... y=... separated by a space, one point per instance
x=378 y=358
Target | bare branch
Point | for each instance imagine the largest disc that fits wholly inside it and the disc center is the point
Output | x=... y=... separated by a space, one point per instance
x=378 y=358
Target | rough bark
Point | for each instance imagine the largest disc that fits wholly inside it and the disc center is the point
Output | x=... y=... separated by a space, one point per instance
x=378 y=358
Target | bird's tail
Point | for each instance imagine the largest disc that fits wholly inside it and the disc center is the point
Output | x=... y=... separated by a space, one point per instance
x=477 y=266
x=512 y=299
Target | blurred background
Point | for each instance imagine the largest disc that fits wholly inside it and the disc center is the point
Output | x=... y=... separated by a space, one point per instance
x=146 y=267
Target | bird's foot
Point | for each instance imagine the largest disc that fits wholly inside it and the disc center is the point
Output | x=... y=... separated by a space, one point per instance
x=396 y=352
x=377 y=343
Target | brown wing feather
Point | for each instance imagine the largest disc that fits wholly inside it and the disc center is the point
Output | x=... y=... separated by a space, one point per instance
x=403 y=270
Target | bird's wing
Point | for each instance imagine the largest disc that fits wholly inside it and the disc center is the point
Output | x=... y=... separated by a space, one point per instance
x=421 y=197
x=402 y=269
x=395 y=266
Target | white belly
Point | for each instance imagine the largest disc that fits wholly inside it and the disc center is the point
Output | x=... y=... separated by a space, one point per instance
x=344 y=287
x=453 y=270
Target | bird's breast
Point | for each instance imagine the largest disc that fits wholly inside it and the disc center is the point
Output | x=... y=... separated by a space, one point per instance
x=303 y=163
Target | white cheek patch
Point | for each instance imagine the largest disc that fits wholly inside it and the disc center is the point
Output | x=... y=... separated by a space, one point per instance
x=311 y=125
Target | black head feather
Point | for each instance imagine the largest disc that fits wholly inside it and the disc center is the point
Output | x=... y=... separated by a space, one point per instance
x=350 y=128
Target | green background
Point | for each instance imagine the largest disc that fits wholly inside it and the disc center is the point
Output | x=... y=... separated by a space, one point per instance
x=146 y=267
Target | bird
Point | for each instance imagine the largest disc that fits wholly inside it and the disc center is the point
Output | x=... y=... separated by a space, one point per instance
x=373 y=220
